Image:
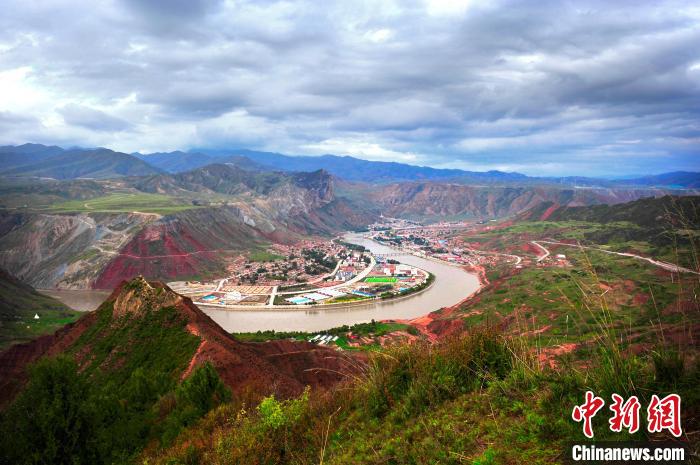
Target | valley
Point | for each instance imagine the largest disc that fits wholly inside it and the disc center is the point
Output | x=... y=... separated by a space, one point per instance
x=434 y=232
x=233 y=284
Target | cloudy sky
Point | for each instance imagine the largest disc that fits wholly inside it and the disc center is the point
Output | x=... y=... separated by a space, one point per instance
x=574 y=88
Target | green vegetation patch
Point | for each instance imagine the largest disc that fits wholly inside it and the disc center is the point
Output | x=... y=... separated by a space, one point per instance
x=264 y=256
x=381 y=279
x=373 y=328
x=559 y=305
x=126 y=394
x=19 y=304
x=153 y=340
x=477 y=399
x=124 y=203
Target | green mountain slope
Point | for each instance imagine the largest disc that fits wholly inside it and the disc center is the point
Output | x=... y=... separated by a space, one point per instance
x=135 y=372
x=648 y=212
x=19 y=303
x=94 y=164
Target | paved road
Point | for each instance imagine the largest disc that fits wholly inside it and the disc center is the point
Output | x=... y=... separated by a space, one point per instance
x=665 y=265
x=357 y=278
x=272 y=296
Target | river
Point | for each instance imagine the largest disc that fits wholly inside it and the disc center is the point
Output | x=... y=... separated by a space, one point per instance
x=82 y=300
x=452 y=284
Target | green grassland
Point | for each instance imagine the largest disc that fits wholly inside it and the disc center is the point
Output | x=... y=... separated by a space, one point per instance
x=572 y=302
x=672 y=245
x=18 y=305
x=478 y=399
x=347 y=298
x=380 y=279
x=264 y=256
x=124 y=202
x=371 y=329
x=28 y=328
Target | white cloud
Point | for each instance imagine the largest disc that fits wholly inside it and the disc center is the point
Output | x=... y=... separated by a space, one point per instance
x=379 y=35
x=359 y=147
x=475 y=83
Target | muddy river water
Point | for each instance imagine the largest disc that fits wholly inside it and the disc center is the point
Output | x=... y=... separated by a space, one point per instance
x=452 y=284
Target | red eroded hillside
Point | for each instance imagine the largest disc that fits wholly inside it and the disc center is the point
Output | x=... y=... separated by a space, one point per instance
x=186 y=245
x=158 y=251
x=284 y=368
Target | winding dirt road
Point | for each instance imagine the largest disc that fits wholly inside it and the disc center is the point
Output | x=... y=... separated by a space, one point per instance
x=661 y=264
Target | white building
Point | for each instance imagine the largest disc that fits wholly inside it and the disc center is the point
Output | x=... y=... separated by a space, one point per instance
x=234 y=296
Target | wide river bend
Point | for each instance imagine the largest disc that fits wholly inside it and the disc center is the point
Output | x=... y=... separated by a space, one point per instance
x=452 y=284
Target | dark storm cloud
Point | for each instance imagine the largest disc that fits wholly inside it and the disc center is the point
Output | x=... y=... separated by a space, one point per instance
x=542 y=87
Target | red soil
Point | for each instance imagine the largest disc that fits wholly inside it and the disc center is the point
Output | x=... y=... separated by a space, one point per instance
x=547 y=356
x=280 y=367
x=548 y=212
x=157 y=251
x=531 y=248
x=640 y=299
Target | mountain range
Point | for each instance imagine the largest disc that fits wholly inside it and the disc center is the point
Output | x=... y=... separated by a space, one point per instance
x=134 y=219
x=101 y=163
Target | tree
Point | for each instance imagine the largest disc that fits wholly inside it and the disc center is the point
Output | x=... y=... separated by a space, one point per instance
x=51 y=421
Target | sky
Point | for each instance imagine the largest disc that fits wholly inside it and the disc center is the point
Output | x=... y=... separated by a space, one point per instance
x=608 y=88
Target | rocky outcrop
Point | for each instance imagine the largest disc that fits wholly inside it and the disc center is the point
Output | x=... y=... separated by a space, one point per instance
x=65 y=251
x=138 y=296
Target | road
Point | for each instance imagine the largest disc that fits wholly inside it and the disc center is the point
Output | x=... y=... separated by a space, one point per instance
x=271 y=303
x=665 y=265
x=357 y=278
x=543 y=248
x=517 y=258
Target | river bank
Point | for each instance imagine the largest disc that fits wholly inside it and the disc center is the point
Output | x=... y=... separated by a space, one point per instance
x=451 y=285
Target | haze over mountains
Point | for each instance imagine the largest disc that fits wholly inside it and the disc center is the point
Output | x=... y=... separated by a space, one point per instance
x=100 y=163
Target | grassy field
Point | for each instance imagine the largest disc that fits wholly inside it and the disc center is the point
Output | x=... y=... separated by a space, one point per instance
x=127 y=202
x=380 y=279
x=29 y=328
x=264 y=256
x=621 y=236
x=18 y=305
x=569 y=304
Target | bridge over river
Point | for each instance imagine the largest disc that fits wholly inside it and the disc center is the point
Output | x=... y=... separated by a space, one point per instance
x=392 y=254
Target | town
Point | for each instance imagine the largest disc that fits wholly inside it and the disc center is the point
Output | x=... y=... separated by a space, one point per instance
x=446 y=241
x=323 y=272
x=316 y=273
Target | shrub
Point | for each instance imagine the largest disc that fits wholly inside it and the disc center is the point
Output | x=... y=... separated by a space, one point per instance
x=51 y=422
x=669 y=367
x=275 y=414
x=421 y=376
